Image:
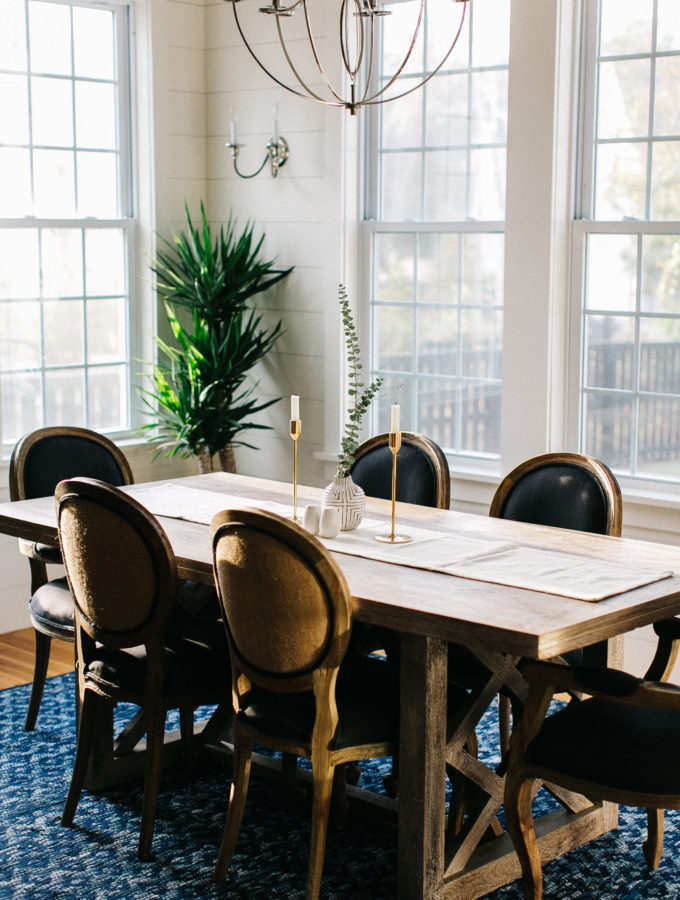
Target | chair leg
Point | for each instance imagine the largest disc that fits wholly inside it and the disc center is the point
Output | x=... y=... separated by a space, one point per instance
x=155 y=733
x=186 y=730
x=391 y=781
x=517 y=803
x=237 y=803
x=459 y=802
x=323 y=785
x=504 y=723
x=42 y=658
x=86 y=735
x=339 y=804
x=653 y=846
x=289 y=775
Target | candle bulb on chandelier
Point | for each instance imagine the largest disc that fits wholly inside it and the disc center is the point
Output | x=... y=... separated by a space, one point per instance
x=276 y=123
x=232 y=128
x=295 y=406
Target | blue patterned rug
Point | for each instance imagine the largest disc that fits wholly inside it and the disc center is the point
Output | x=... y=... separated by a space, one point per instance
x=96 y=860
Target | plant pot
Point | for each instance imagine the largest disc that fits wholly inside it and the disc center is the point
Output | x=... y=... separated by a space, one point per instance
x=348 y=497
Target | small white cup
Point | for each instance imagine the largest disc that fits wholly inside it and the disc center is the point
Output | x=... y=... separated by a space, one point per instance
x=329 y=523
x=310 y=519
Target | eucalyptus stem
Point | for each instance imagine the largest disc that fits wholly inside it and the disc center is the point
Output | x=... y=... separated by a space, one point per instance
x=361 y=396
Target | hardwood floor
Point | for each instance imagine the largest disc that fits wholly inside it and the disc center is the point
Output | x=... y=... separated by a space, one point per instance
x=17 y=653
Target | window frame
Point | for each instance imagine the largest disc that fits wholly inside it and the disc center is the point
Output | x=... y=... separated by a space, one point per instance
x=583 y=226
x=124 y=34
x=370 y=226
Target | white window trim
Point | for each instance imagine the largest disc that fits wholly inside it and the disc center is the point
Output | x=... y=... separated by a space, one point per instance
x=641 y=489
x=132 y=157
x=541 y=321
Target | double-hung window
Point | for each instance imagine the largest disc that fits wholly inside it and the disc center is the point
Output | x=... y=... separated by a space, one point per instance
x=627 y=237
x=434 y=232
x=66 y=227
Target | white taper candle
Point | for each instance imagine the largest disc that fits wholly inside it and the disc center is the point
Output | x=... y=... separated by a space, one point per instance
x=295 y=406
x=394 y=426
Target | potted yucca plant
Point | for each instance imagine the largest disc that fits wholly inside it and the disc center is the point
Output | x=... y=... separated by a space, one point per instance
x=199 y=402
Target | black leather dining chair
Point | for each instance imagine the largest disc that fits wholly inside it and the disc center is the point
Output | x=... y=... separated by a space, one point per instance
x=561 y=490
x=40 y=460
x=619 y=745
x=423 y=478
x=423 y=472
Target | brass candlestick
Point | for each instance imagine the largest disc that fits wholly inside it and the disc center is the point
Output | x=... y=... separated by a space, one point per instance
x=295 y=432
x=392 y=538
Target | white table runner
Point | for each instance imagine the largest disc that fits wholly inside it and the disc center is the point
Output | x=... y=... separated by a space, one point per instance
x=464 y=555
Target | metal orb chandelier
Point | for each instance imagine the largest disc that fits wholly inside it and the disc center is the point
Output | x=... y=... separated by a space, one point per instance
x=360 y=36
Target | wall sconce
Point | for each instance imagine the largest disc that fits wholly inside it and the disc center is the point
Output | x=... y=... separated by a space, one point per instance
x=277 y=148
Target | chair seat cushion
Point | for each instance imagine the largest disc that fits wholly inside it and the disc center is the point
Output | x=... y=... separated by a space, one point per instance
x=52 y=609
x=197 y=599
x=618 y=746
x=196 y=657
x=44 y=552
x=367 y=695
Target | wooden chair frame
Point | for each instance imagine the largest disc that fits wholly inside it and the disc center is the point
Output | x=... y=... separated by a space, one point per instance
x=522 y=776
x=427 y=446
x=37 y=557
x=320 y=679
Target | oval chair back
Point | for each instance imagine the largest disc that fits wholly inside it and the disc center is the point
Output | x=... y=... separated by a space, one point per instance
x=285 y=601
x=562 y=490
x=45 y=457
x=422 y=470
x=119 y=563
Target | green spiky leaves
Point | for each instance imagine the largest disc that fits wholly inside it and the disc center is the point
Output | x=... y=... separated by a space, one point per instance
x=199 y=400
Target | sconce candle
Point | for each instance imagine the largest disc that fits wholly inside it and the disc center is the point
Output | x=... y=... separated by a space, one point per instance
x=295 y=406
x=277 y=150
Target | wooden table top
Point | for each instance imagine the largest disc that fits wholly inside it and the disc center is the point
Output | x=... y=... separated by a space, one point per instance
x=514 y=620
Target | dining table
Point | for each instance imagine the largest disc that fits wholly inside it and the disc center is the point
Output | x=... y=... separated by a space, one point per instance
x=505 y=590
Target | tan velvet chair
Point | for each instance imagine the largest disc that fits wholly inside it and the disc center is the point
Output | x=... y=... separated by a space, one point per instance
x=123 y=577
x=621 y=745
x=39 y=461
x=288 y=614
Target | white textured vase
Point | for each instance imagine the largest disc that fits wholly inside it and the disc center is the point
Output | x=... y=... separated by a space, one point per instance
x=348 y=497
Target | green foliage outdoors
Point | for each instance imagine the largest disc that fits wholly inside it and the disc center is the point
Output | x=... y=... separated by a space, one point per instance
x=199 y=402
x=360 y=396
